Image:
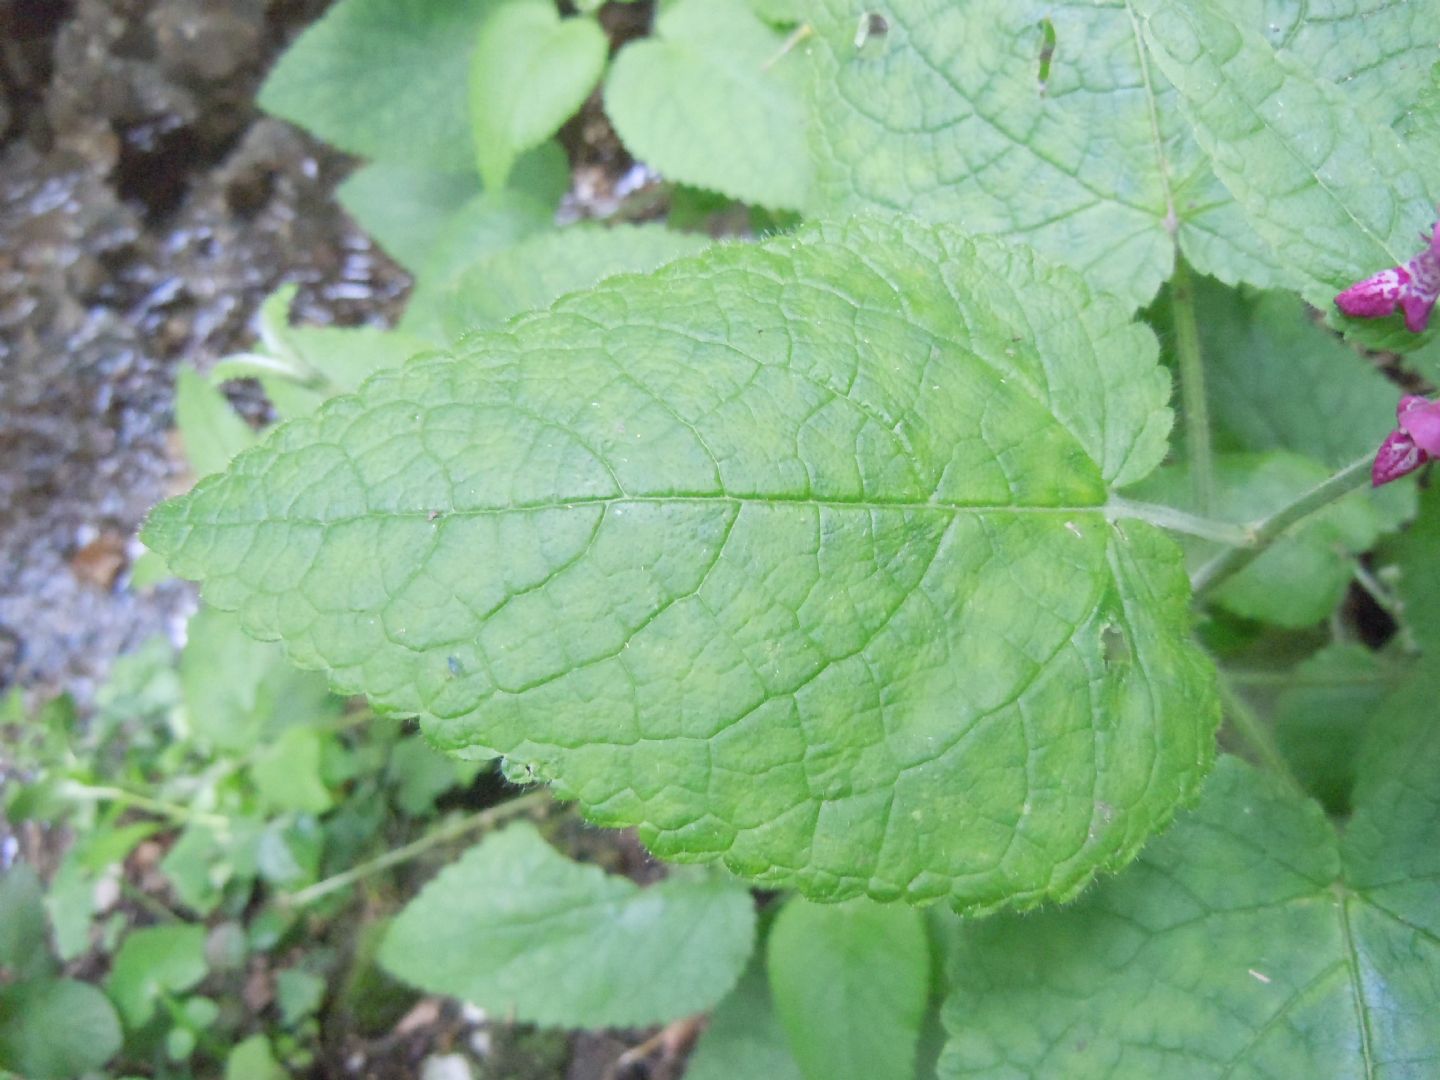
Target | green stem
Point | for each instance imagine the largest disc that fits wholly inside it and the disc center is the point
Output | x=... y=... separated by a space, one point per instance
x=1193 y=403
x=1265 y=531
x=395 y=856
x=1182 y=521
x=73 y=789
x=1255 y=734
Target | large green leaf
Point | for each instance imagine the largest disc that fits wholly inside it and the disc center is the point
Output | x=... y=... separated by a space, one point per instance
x=531 y=71
x=384 y=79
x=1336 y=194
x=713 y=100
x=944 y=116
x=55 y=1028
x=523 y=931
x=1250 y=940
x=795 y=555
x=1378 y=51
x=850 y=982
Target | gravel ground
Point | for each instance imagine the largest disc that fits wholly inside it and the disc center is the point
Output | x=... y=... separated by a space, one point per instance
x=145 y=210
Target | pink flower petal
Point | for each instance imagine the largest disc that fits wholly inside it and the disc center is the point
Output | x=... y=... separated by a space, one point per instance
x=1422 y=424
x=1398 y=456
x=1376 y=296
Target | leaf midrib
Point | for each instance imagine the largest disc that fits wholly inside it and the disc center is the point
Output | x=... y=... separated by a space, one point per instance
x=438 y=514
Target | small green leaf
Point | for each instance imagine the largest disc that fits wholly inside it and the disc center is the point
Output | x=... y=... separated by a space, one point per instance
x=743 y=1037
x=1301 y=577
x=299 y=994
x=421 y=774
x=253 y=1060
x=537 y=271
x=408 y=208
x=1336 y=194
x=212 y=431
x=483 y=226
x=286 y=773
x=713 y=100
x=405 y=207
x=51 y=1029
x=71 y=899
x=1249 y=940
x=24 y=952
x=151 y=962
x=383 y=79
x=791 y=554
x=520 y=930
x=531 y=71
x=850 y=983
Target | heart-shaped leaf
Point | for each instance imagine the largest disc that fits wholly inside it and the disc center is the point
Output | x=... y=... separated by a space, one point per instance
x=795 y=555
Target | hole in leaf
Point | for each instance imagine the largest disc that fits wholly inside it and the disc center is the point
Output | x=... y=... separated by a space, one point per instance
x=1047 y=52
x=1114 y=645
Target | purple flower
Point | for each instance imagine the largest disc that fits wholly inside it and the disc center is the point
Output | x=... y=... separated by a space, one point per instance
x=1412 y=288
x=1412 y=444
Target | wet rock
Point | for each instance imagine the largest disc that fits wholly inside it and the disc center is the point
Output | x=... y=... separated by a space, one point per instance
x=204 y=40
x=145 y=211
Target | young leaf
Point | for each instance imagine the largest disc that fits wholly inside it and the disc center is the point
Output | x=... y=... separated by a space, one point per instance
x=531 y=71
x=1251 y=940
x=408 y=209
x=483 y=226
x=152 y=962
x=253 y=1060
x=743 y=1037
x=972 y=113
x=519 y=929
x=51 y=1029
x=212 y=431
x=537 y=271
x=1301 y=577
x=713 y=100
x=850 y=983
x=1336 y=194
x=286 y=773
x=791 y=554
x=384 y=79
x=405 y=207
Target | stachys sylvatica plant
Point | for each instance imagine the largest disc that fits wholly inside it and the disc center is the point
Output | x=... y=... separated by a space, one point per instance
x=861 y=563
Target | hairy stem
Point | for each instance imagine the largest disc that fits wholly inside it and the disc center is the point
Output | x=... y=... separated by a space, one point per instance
x=1193 y=402
x=1268 y=529
x=395 y=856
